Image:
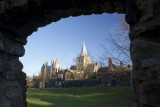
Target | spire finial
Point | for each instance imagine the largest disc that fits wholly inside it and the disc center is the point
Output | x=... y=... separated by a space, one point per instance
x=84 y=51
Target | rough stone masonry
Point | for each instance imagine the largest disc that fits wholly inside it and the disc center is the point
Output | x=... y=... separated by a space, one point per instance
x=20 y=18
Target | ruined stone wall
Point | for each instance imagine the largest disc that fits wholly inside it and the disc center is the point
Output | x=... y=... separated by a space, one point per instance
x=23 y=17
x=12 y=79
x=144 y=19
x=20 y=18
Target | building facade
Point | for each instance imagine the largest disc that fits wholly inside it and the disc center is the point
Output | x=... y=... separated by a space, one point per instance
x=53 y=74
x=49 y=72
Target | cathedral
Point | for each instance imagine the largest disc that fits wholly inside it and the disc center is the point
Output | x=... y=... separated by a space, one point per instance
x=49 y=72
x=83 y=69
x=53 y=76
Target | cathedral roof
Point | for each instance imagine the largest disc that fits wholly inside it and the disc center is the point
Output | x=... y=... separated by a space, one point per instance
x=84 y=51
x=36 y=74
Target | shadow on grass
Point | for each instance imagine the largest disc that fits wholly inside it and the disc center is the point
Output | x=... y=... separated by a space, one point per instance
x=80 y=97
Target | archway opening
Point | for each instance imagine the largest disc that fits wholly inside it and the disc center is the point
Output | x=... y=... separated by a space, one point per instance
x=63 y=40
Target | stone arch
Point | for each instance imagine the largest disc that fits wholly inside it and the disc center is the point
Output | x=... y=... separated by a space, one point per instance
x=19 y=18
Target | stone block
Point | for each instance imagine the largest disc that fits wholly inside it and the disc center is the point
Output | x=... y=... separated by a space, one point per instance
x=10 y=76
x=134 y=104
x=10 y=63
x=12 y=92
x=13 y=84
x=5 y=103
x=1 y=43
x=12 y=3
x=21 y=40
x=142 y=75
x=149 y=93
x=16 y=65
x=1 y=64
x=17 y=102
x=11 y=46
x=2 y=90
x=2 y=9
x=142 y=49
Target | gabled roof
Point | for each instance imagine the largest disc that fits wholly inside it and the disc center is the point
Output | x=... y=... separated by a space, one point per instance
x=73 y=67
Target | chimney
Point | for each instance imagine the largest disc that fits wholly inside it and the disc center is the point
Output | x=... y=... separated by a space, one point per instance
x=121 y=64
x=129 y=66
x=110 y=64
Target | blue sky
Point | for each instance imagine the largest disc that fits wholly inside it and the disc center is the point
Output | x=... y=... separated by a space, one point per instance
x=64 y=39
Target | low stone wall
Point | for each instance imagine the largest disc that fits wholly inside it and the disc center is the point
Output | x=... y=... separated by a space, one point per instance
x=50 y=84
x=103 y=78
x=115 y=78
x=81 y=83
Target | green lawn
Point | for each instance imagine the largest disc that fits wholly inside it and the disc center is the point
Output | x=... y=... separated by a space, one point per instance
x=80 y=97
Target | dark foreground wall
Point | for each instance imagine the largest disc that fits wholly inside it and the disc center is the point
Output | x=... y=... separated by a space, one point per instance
x=144 y=19
x=19 y=19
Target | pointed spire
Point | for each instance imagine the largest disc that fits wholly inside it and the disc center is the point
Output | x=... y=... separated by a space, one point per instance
x=84 y=51
x=52 y=61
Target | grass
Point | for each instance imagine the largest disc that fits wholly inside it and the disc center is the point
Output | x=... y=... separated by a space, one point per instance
x=80 y=97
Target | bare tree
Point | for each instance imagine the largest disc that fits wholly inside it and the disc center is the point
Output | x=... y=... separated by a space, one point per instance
x=119 y=44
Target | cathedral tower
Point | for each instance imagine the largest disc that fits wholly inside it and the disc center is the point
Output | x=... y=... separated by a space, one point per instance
x=44 y=74
x=57 y=65
x=83 y=60
x=52 y=69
